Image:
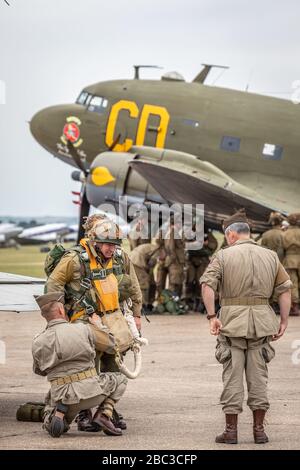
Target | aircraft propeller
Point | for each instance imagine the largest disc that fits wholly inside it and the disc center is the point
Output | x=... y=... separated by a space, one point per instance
x=82 y=176
x=77 y=176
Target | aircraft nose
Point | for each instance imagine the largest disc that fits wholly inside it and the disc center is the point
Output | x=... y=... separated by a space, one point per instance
x=46 y=126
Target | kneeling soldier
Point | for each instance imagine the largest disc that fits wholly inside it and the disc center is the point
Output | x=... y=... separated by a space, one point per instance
x=65 y=353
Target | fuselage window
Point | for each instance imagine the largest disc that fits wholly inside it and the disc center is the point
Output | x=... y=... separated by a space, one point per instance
x=98 y=104
x=230 y=144
x=272 y=152
x=82 y=97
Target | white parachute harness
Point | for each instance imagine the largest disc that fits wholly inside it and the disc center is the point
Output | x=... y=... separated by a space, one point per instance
x=138 y=342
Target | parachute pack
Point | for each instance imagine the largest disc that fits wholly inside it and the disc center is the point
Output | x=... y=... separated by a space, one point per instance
x=168 y=302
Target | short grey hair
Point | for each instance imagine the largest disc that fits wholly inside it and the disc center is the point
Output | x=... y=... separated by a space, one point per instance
x=238 y=227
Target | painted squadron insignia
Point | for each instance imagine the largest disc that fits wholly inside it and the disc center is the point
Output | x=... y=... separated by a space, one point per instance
x=71 y=131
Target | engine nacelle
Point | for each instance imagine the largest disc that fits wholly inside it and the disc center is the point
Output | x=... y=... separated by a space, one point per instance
x=111 y=178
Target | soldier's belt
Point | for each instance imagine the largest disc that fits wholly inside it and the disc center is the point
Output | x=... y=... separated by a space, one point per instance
x=86 y=374
x=243 y=301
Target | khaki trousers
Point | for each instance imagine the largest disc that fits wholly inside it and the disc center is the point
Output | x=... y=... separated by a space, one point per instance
x=119 y=389
x=115 y=389
x=239 y=355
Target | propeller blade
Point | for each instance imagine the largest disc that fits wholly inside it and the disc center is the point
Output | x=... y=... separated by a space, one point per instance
x=76 y=158
x=115 y=142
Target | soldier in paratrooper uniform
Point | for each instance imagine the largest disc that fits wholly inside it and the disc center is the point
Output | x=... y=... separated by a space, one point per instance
x=245 y=276
x=137 y=236
x=65 y=353
x=173 y=248
x=144 y=258
x=291 y=262
x=197 y=262
x=273 y=238
x=92 y=276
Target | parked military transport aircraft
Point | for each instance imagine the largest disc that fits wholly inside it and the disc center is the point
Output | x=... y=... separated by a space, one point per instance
x=169 y=140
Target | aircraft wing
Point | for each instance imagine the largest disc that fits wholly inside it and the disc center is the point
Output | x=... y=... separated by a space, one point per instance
x=192 y=181
x=16 y=292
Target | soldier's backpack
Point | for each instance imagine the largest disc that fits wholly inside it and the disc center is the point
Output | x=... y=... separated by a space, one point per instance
x=168 y=302
x=53 y=258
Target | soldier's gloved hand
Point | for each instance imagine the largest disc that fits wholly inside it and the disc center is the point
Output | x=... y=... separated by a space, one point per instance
x=215 y=326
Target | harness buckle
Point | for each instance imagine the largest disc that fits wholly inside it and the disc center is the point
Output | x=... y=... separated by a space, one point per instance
x=88 y=307
x=86 y=283
x=100 y=274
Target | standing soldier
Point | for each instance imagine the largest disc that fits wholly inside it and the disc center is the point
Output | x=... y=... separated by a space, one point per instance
x=197 y=262
x=162 y=271
x=245 y=276
x=144 y=258
x=175 y=259
x=137 y=236
x=291 y=243
x=273 y=238
x=91 y=275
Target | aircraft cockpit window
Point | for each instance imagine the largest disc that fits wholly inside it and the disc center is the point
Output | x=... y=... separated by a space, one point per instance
x=231 y=144
x=272 y=152
x=83 y=97
x=98 y=104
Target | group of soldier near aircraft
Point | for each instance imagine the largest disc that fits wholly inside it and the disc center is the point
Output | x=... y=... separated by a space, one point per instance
x=184 y=266
x=88 y=293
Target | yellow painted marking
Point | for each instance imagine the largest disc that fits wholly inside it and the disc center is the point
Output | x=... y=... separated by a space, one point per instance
x=74 y=119
x=112 y=121
x=79 y=142
x=101 y=176
x=162 y=129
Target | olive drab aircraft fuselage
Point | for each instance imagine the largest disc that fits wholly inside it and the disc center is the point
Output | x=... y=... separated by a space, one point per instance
x=217 y=141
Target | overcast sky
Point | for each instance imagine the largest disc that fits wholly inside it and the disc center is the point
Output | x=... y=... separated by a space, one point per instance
x=50 y=50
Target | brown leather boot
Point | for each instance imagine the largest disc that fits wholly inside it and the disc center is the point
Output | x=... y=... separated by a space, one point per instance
x=229 y=436
x=103 y=422
x=294 y=312
x=259 y=434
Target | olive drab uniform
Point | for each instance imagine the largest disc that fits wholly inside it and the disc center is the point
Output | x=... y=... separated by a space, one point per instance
x=273 y=239
x=92 y=284
x=136 y=236
x=78 y=268
x=65 y=353
x=245 y=275
x=144 y=258
x=161 y=271
x=174 y=261
x=291 y=262
x=197 y=262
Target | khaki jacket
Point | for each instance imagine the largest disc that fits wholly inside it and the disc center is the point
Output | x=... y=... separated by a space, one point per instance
x=247 y=270
x=174 y=249
x=291 y=243
x=273 y=239
x=68 y=271
x=144 y=256
x=64 y=349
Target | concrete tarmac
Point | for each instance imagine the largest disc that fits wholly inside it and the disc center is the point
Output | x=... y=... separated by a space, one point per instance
x=174 y=404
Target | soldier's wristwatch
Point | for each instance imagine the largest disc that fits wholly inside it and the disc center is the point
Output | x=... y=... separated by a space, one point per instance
x=209 y=317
